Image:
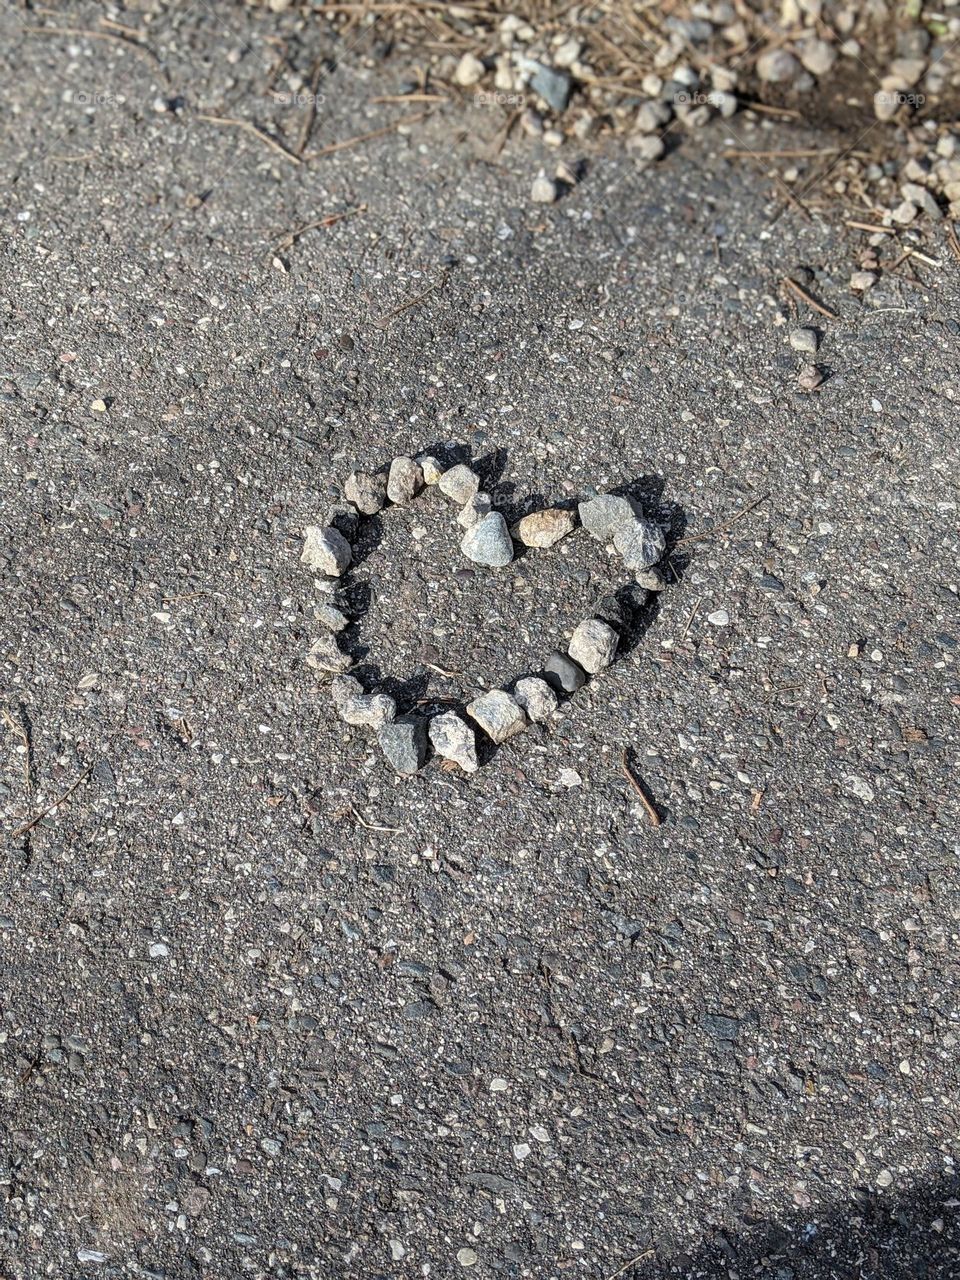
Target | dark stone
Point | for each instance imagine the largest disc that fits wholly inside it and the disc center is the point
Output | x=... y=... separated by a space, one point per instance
x=565 y=675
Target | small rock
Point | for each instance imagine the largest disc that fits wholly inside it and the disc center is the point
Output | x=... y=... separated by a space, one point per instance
x=404 y=481
x=326 y=550
x=810 y=377
x=646 y=147
x=544 y=528
x=453 y=739
x=370 y=710
x=859 y=787
x=459 y=484
x=719 y=618
x=777 y=66
x=563 y=673
x=723 y=101
x=488 y=542
x=555 y=87
x=470 y=70
x=497 y=714
x=817 y=56
x=652 y=116
x=593 y=645
x=922 y=198
x=909 y=71
x=404 y=743
x=536 y=697
x=474 y=510
x=331 y=617
x=467 y=1257
x=888 y=99
x=544 y=189
x=641 y=543
x=652 y=579
x=805 y=340
x=431 y=468
x=326 y=655
x=367 y=490
x=861 y=281
x=602 y=516
x=904 y=213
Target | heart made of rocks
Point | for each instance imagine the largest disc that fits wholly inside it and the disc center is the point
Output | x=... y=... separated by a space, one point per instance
x=487 y=540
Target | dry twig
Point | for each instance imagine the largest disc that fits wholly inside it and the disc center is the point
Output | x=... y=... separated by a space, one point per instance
x=231 y=123
x=28 y=826
x=655 y=819
x=727 y=524
x=367 y=137
x=808 y=298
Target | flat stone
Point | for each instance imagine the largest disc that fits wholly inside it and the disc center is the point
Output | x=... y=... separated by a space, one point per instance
x=593 y=645
x=367 y=490
x=603 y=516
x=459 y=484
x=404 y=481
x=555 y=87
x=453 y=739
x=331 y=617
x=544 y=528
x=488 y=542
x=326 y=550
x=431 y=468
x=326 y=655
x=371 y=710
x=498 y=714
x=641 y=543
x=404 y=743
x=613 y=611
x=805 y=340
x=474 y=509
x=563 y=673
x=536 y=697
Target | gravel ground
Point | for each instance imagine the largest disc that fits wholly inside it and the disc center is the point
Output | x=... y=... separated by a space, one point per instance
x=270 y=1011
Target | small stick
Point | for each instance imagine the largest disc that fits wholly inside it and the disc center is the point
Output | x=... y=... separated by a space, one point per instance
x=733 y=153
x=311 y=115
x=727 y=524
x=112 y=36
x=693 y=614
x=655 y=819
x=808 y=298
x=247 y=127
x=382 y=321
x=373 y=826
x=367 y=137
x=291 y=237
x=440 y=671
x=28 y=826
x=871 y=226
x=411 y=97
x=953 y=241
x=769 y=111
x=632 y=1263
x=19 y=731
x=915 y=253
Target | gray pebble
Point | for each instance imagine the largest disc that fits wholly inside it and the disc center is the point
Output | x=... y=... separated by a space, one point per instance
x=367 y=490
x=404 y=743
x=652 y=116
x=555 y=87
x=809 y=377
x=563 y=673
x=488 y=542
x=326 y=550
x=602 y=516
x=593 y=645
x=326 y=655
x=544 y=189
x=536 y=697
x=453 y=739
x=646 y=146
x=805 y=340
x=641 y=543
x=474 y=510
x=331 y=617
x=405 y=480
x=777 y=66
x=460 y=483
x=371 y=710
x=652 y=579
x=498 y=714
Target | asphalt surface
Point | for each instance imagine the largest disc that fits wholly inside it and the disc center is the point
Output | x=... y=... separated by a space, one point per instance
x=268 y=1010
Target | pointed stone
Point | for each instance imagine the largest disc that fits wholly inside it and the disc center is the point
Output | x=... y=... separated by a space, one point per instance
x=326 y=550
x=404 y=743
x=488 y=542
x=453 y=739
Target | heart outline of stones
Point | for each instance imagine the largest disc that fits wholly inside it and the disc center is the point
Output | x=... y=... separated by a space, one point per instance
x=633 y=605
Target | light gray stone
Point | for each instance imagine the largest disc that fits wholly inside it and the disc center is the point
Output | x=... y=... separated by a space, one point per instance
x=603 y=516
x=593 y=645
x=326 y=550
x=536 y=697
x=488 y=542
x=498 y=714
x=367 y=490
x=544 y=189
x=404 y=743
x=565 y=675
x=431 y=468
x=805 y=340
x=331 y=617
x=641 y=543
x=652 y=579
x=474 y=510
x=370 y=710
x=326 y=655
x=459 y=484
x=817 y=56
x=544 y=528
x=777 y=66
x=404 y=481
x=453 y=739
